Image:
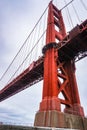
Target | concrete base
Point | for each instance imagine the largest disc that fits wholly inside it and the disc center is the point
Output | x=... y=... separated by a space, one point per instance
x=60 y=120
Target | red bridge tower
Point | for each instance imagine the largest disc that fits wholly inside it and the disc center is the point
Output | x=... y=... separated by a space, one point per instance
x=59 y=78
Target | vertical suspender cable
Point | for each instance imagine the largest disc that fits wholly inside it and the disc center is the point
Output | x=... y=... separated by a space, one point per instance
x=27 y=55
x=85 y=7
x=76 y=13
x=69 y=14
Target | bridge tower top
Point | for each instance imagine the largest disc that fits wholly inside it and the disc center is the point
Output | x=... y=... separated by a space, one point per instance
x=55 y=25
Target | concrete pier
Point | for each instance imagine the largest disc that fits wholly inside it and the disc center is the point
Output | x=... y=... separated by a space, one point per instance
x=60 y=120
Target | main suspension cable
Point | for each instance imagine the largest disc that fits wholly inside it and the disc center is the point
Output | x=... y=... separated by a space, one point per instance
x=67 y=4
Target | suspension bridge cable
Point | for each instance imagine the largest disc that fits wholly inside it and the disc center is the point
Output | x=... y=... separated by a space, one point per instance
x=85 y=7
x=23 y=44
x=68 y=17
x=27 y=56
x=69 y=13
x=67 y=4
x=76 y=12
x=38 y=30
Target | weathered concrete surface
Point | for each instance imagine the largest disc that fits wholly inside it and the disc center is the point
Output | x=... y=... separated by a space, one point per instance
x=9 y=127
x=60 y=120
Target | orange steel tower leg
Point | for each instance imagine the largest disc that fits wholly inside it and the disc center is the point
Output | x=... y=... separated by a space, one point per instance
x=72 y=91
x=59 y=77
x=50 y=99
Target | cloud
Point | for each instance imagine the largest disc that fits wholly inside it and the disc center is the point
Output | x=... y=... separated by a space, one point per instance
x=8 y=114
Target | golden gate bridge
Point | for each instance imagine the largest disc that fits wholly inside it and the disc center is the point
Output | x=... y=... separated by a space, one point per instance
x=69 y=47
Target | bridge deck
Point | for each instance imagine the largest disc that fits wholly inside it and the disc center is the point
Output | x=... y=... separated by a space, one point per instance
x=75 y=43
x=72 y=46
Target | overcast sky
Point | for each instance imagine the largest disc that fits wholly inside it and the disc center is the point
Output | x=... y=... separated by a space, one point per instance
x=17 y=18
